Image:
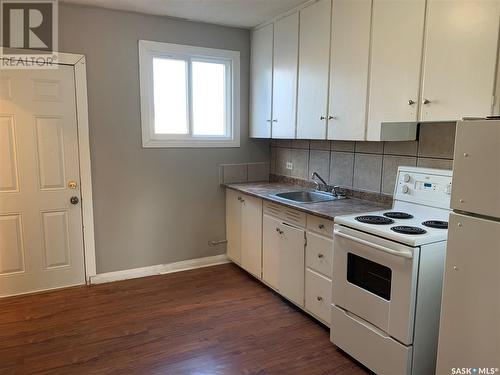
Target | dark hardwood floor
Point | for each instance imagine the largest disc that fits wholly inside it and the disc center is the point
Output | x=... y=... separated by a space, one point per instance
x=215 y=320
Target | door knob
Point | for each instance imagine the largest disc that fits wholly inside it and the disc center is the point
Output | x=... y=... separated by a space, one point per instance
x=74 y=200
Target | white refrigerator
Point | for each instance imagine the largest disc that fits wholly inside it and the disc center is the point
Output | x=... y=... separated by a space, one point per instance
x=469 y=334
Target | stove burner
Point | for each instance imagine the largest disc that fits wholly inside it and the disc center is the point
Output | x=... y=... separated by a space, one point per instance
x=398 y=215
x=436 y=224
x=372 y=219
x=403 y=229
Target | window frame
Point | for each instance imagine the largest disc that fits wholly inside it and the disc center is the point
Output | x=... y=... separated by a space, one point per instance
x=148 y=50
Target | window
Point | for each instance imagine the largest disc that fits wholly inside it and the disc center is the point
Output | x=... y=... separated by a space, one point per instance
x=189 y=96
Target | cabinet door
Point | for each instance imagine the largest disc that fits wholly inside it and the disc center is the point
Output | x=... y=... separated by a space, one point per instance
x=459 y=59
x=261 y=81
x=233 y=225
x=286 y=50
x=314 y=56
x=349 y=69
x=271 y=240
x=291 y=275
x=251 y=235
x=397 y=37
x=469 y=327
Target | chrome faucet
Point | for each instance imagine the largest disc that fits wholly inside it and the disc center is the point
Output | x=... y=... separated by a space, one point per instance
x=336 y=192
x=316 y=175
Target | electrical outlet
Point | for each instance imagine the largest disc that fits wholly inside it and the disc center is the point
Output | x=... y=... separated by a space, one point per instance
x=289 y=165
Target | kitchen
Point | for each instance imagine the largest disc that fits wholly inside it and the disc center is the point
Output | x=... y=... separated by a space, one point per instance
x=234 y=185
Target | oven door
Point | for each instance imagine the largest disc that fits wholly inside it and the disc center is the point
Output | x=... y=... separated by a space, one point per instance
x=375 y=279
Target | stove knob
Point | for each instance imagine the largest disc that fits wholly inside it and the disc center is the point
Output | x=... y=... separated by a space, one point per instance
x=406 y=178
x=405 y=189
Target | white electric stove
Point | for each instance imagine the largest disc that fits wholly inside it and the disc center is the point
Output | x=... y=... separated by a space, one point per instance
x=387 y=276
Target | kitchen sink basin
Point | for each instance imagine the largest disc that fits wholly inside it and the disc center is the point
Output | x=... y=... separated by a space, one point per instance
x=306 y=196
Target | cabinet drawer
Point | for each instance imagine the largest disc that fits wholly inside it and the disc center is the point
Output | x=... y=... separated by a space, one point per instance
x=318 y=295
x=288 y=215
x=319 y=254
x=320 y=225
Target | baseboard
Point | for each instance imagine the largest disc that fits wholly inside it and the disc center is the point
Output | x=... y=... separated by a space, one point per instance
x=159 y=269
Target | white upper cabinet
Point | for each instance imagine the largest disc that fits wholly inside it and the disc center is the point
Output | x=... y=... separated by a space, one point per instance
x=314 y=56
x=349 y=69
x=459 y=59
x=397 y=37
x=286 y=51
x=261 y=82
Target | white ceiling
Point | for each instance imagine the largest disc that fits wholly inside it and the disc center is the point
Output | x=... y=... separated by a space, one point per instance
x=240 y=13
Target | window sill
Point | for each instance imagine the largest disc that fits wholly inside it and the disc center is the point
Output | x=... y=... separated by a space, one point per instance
x=192 y=143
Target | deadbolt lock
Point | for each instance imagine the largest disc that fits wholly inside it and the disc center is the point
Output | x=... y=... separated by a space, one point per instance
x=72 y=185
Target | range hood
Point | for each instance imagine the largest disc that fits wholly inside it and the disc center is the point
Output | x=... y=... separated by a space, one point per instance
x=406 y=131
x=399 y=131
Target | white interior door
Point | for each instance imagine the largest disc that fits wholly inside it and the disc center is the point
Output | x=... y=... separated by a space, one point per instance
x=41 y=240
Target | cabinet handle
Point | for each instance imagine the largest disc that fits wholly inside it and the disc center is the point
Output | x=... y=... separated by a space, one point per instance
x=279 y=231
x=322 y=117
x=411 y=102
x=268 y=120
x=426 y=101
x=321 y=226
x=319 y=298
x=275 y=120
x=332 y=117
x=320 y=255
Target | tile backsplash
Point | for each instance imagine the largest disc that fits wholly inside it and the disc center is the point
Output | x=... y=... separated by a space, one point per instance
x=366 y=166
x=244 y=172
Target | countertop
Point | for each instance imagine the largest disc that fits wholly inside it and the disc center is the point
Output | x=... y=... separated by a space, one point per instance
x=328 y=210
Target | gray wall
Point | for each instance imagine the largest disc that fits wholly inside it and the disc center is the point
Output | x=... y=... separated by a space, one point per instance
x=367 y=166
x=151 y=206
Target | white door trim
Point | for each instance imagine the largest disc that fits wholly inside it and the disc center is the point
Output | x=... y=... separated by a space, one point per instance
x=79 y=63
x=82 y=113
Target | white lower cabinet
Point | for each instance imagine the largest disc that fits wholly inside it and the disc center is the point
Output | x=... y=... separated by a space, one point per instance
x=233 y=225
x=318 y=295
x=244 y=231
x=270 y=250
x=319 y=270
x=288 y=250
x=291 y=275
x=283 y=258
x=319 y=254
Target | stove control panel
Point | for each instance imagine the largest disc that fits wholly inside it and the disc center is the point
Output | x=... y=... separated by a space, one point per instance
x=431 y=187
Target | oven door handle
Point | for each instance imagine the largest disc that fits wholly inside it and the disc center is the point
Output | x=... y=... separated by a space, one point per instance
x=404 y=254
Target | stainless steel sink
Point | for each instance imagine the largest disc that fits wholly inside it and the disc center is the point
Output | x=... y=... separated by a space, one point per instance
x=306 y=196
